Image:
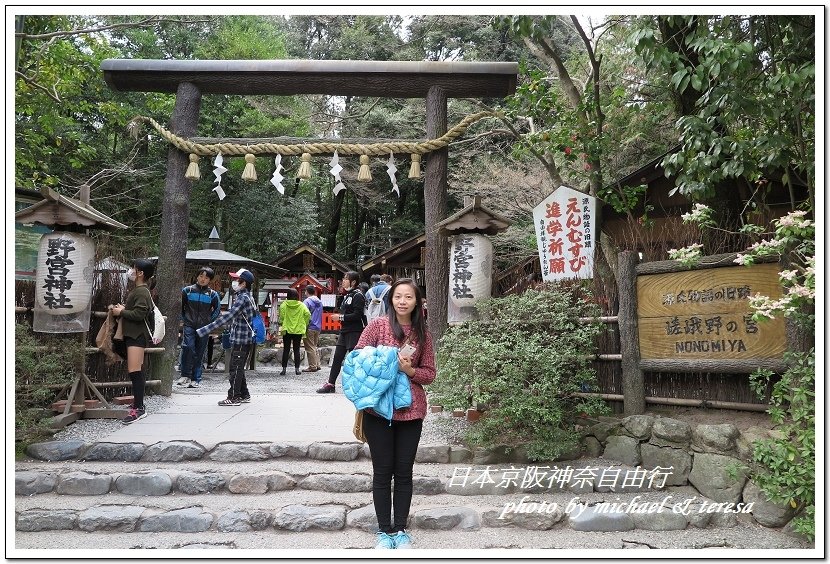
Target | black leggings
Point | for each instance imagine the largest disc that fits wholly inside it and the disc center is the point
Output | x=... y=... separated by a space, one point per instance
x=293 y=341
x=345 y=343
x=393 y=450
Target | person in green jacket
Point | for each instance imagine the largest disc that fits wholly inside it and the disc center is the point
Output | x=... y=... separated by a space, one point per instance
x=294 y=316
x=135 y=316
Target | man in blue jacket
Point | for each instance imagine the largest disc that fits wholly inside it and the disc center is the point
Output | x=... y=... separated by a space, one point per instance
x=315 y=325
x=200 y=306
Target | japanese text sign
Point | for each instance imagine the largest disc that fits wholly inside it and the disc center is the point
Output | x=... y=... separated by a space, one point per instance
x=565 y=228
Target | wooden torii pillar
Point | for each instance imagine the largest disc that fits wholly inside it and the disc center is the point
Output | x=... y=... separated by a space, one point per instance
x=436 y=81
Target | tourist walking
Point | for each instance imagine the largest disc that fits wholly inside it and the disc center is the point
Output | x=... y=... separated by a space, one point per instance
x=135 y=316
x=312 y=332
x=200 y=306
x=377 y=301
x=393 y=445
x=352 y=322
x=240 y=314
x=294 y=318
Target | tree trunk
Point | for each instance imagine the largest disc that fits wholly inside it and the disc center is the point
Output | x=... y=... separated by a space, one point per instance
x=334 y=226
x=175 y=219
x=437 y=268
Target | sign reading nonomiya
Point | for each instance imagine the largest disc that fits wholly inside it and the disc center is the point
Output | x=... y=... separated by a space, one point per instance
x=705 y=314
x=566 y=234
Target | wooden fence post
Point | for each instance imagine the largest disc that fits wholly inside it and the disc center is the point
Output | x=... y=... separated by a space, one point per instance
x=634 y=394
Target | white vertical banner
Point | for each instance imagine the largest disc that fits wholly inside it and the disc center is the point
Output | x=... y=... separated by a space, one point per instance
x=566 y=234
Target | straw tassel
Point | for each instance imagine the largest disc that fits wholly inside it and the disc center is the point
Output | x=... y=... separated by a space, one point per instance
x=415 y=169
x=250 y=170
x=193 y=168
x=364 y=174
x=305 y=167
x=134 y=129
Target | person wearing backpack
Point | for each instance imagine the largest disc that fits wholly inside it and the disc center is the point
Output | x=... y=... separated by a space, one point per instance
x=312 y=332
x=133 y=314
x=352 y=324
x=242 y=336
x=200 y=306
x=377 y=298
x=294 y=317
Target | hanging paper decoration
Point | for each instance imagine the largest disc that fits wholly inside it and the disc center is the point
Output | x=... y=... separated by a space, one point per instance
x=218 y=171
x=335 y=171
x=276 y=179
x=391 y=169
x=364 y=174
x=415 y=169
x=249 y=173
x=193 y=168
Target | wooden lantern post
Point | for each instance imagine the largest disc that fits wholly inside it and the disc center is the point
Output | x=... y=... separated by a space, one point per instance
x=73 y=216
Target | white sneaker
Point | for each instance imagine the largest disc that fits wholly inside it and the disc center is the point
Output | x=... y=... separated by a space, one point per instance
x=183 y=381
x=193 y=384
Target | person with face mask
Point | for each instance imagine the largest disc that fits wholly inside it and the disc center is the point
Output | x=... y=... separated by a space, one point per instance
x=240 y=315
x=352 y=323
x=135 y=315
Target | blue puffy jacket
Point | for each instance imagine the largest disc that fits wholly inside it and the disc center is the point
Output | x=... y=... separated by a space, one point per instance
x=371 y=379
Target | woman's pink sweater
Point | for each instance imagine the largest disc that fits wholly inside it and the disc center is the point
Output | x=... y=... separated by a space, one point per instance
x=378 y=332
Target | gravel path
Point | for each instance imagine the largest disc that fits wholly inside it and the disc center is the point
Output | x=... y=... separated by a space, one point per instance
x=439 y=428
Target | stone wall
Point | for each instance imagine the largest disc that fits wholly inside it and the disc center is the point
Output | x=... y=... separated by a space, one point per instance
x=711 y=458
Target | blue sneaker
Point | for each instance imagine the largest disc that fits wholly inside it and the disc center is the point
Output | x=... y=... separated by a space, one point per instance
x=402 y=540
x=384 y=541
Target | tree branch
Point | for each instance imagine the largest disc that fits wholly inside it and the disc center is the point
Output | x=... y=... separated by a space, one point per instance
x=149 y=22
x=53 y=94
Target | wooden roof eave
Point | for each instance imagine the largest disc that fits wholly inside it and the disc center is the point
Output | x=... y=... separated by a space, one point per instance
x=307 y=247
x=396 y=250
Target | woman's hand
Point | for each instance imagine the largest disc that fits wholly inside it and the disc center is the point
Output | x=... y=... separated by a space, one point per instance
x=117 y=309
x=405 y=365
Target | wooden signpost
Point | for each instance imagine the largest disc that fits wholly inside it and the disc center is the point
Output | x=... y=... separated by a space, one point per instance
x=701 y=319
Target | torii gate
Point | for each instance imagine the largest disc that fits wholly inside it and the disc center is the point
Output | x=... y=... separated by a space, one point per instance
x=436 y=81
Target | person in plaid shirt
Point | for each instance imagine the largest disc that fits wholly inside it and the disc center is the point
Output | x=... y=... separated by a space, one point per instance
x=241 y=312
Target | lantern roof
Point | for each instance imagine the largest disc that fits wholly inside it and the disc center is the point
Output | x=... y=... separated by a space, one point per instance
x=473 y=218
x=56 y=209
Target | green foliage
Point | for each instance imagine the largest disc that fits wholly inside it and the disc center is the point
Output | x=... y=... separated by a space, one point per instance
x=785 y=467
x=524 y=359
x=747 y=87
x=34 y=369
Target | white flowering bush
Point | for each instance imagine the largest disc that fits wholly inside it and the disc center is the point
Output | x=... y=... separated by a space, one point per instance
x=784 y=467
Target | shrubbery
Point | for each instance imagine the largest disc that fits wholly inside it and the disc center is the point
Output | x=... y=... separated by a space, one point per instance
x=524 y=359
x=34 y=370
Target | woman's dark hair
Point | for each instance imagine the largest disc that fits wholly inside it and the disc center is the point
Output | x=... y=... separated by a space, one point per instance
x=419 y=325
x=352 y=277
x=146 y=266
x=364 y=287
x=292 y=294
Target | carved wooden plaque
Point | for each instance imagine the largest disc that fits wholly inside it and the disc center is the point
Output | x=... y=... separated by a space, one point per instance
x=705 y=314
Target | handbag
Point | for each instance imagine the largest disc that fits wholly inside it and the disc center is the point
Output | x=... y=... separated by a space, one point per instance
x=359 y=434
x=158 y=330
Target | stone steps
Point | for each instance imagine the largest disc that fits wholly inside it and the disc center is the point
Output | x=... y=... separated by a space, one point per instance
x=252 y=495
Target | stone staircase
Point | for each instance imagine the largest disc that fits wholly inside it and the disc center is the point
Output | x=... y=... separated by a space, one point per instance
x=178 y=494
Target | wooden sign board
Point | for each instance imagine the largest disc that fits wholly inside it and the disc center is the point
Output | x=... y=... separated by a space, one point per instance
x=705 y=314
